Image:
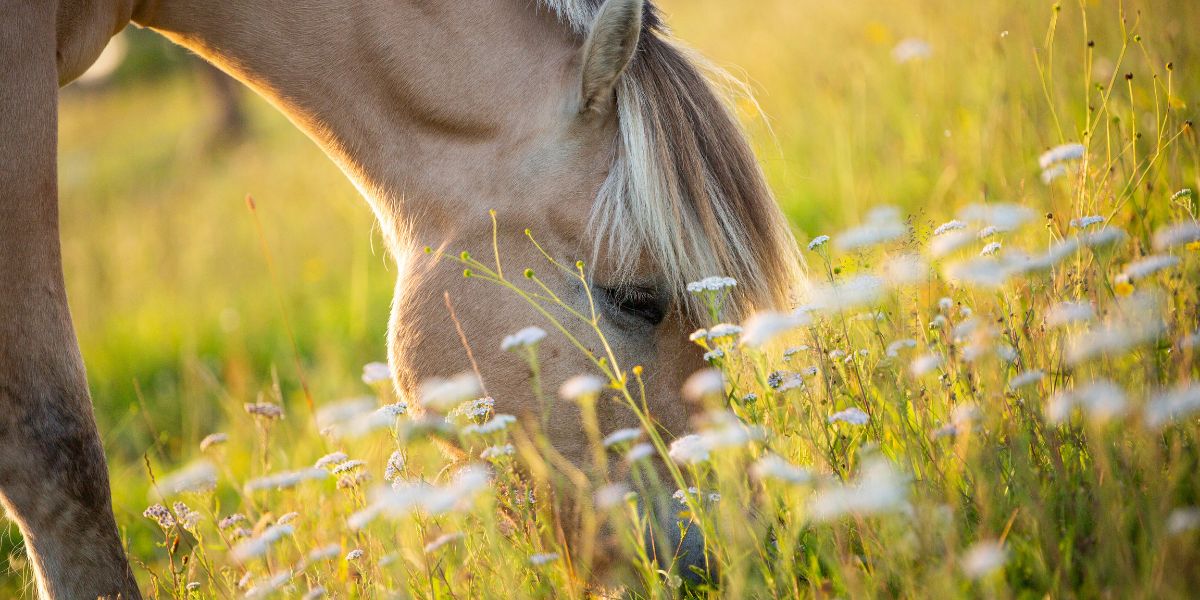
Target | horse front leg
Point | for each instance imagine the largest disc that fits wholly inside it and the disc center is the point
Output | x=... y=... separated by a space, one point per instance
x=53 y=477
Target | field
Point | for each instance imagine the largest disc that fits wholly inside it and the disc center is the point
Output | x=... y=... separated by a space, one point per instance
x=943 y=417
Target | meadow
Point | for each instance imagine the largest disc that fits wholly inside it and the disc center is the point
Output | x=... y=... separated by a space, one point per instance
x=988 y=389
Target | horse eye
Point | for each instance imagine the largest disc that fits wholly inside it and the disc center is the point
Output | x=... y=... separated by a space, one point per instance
x=640 y=302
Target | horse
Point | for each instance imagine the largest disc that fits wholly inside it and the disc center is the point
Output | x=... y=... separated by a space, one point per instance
x=583 y=121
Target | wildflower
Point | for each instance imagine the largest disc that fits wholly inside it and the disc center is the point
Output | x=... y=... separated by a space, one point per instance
x=765 y=326
x=331 y=459
x=905 y=269
x=492 y=452
x=990 y=249
x=197 y=477
x=878 y=489
x=723 y=330
x=188 y=518
x=347 y=466
x=689 y=449
x=948 y=226
x=981 y=272
x=911 y=49
x=1172 y=405
x=870 y=234
x=393 y=410
x=1148 y=266
x=1066 y=313
x=288 y=518
x=1176 y=234
x=1063 y=153
x=711 y=284
x=1001 y=215
x=462 y=491
x=1103 y=237
x=349 y=417
x=639 y=452
x=1183 y=194
x=818 y=241
x=496 y=424
x=713 y=355
x=611 y=495
x=538 y=560
x=794 y=350
x=1085 y=222
x=159 y=514
x=192 y=586
x=681 y=496
x=259 y=546
x=924 y=364
x=894 y=348
x=853 y=416
x=324 y=553
x=983 y=559
x=285 y=480
x=528 y=337
x=772 y=466
x=395 y=464
x=264 y=588
x=1026 y=378
x=231 y=520
x=1183 y=519
x=698 y=335
x=622 y=436
x=725 y=431
x=376 y=372
x=945 y=304
x=266 y=410
x=1052 y=173
x=314 y=593
x=946 y=244
x=475 y=409
x=442 y=395
x=703 y=384
x=1140 y=325
x=212 y=440
x=443 y=540
x=1100 y=400
x=354 y=555
x=988 y=232
x=961 y=417
x=858 y=291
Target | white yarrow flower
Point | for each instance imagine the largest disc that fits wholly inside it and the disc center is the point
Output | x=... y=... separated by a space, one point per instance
x=711 y=284
x=581 y=387
x=948 y=226
x=1176 y=234
x=852 y=416
x=983 y=559
x=879 y=488
x=525 y=338
x=818 y=241
x=762 y=327
x=1149 y=265
x=376 y=372
x=1063 y=153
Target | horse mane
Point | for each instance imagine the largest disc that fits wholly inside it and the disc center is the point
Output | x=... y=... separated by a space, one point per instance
x=685 y=189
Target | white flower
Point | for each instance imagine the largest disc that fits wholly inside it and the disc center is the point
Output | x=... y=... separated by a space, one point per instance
x=404 y=497
x=773 y=466
x=725 y=431
x=1085 y=222
x=496 y=424
x=990 y=249
x=314 y=593
x=894 y=348
x=622 y=436
x=1172 y=405
x=639 y=452
x=213 y=439
x=681 y=496
x=442 y=540
x=1183 y=519
x=1100 y=400
x=1181 y=195
x=538 y=560
x=354 y=555
x=713 y=355
x=1003 y=216
x=905 y=269
x=765 y=326
x=948 y=226
x=324 y=553
x=285 y=479
x=723 y=330
x=288 y=518
x=497 y=451
x=1054 y=172
x=376 y=372
x=331 y=459
x=856 y=292
x=349 y=465
x=581 y=387
x=1026 y=378
x=946 y=244
x=265 y=410
x=442 y=395
x=353 y=417
x=1063 y=153
x=395 y=464
x=983 y=559
x=525 y=338
x=818 y=241
x=258 y=546
x=1065 y=313
x=611 y=495
x=1149 y=265
x=879 y=488
x=474 y=409
x=1105 y=236
x=711 y=284
x=911 y=49
x=264 y=588
x=703 y=384
x=1141 y=324
x=924 y=364
x=980 y=272
x=852 y=415
x=870 y=234
x=1176 y=234
x=988 y=232
x=689 y=449
x=199 y=476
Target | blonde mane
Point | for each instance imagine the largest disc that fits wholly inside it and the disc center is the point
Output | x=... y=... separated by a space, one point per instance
x=685 y=188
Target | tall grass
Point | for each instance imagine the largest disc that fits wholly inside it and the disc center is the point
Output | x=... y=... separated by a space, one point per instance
x=988 y=389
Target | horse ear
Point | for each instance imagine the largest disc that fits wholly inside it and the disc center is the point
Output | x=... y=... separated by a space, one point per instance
x=609 y=48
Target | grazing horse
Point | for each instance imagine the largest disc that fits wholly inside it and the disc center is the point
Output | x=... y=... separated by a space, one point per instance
x=578 y=119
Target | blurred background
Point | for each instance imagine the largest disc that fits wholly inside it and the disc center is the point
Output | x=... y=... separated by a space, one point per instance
x=925 y=105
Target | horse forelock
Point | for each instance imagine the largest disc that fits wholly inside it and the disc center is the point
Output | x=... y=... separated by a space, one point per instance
x=685 y=188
